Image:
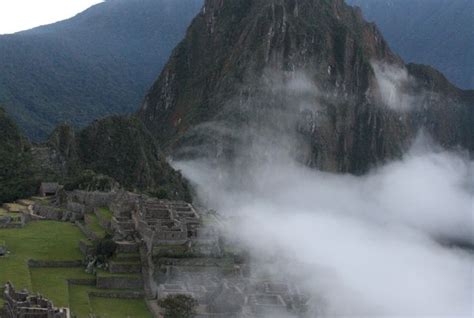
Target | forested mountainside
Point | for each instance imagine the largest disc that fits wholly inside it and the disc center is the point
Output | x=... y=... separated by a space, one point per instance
x=116 y=152
x=118 y=147
x=434 y=32
x=316 y=67
x=17 y=174
x=98 y=63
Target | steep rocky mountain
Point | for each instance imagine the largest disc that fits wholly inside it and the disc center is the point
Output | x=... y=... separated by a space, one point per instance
x=97 y=63
x=307 y=77
x=114 y=149
x=17 y=173
x=434 y=32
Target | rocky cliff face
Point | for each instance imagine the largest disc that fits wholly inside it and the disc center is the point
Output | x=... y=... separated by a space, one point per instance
x=310 y=77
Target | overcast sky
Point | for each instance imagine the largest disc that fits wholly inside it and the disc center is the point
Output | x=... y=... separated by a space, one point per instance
x=19 y=15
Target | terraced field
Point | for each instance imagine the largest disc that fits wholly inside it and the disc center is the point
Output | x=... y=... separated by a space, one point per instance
x=58 y=241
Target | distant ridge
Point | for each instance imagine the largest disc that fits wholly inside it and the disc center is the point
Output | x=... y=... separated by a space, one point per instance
x=98 y=63
x=434 y=32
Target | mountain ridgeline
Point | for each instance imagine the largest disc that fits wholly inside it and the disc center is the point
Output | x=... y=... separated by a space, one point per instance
x=435 y=32
x=248 y=69
x=116 y=149
x=112 y=153
x=98 y=63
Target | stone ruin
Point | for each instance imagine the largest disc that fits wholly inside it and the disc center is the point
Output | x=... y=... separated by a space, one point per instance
x=185 y=257
x=177 y=254
x=70 y=206
x=20 y=304
x=237 y=296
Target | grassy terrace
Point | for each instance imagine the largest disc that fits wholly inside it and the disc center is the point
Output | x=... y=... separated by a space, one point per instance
x=95 y=226
x=45 y=240
x=105 y=214
x=82 y=305
x=56 y=241
x=53 y=282
x=119 y=308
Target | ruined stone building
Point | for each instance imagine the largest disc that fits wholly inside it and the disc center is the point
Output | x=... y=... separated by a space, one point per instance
x=20 y=304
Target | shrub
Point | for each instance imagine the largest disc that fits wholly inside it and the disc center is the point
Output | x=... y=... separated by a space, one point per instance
x=105 y=248
x=178 y=306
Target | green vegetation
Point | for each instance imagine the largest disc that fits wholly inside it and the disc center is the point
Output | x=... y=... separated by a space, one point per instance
x=56 y=241
x=116 y=151
x=119 y=308
x=105 y=248
x=46 y=240
x=79 y=300
x=105 y=214
x=65 y=72
x=88 y=180
x=123 y=149
x=52 y=282
x=17 y=175
x=94 y=225
x=82 y=304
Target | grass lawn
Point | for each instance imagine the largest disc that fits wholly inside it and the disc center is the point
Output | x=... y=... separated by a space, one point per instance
x=95 y=226
x=82 y=305
x=105 y=213
x=52 y=282
x=45 y=240
x=49 y=240
x=79 y=300
x=119 y=308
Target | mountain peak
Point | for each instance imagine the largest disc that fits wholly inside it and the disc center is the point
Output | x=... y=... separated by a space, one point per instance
x=231 y=48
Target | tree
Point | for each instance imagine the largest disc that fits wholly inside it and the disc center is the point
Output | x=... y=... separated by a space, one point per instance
x=178 y=306
x=105 y=248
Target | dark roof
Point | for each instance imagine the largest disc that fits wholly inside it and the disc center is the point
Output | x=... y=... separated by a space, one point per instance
x=49 y=187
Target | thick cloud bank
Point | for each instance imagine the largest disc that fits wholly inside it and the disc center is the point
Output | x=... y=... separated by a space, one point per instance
x=386 y=244
x=396 y=242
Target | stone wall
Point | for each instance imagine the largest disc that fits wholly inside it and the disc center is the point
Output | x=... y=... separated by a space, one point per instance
x=38 y=264
x=119 y=282
x=75 y=207
x=82 y=282
x=118 y=294
x=91 y=200
x=127 y=247
x=86 y=247
x=48 y=212
x=12 y=222
x=88 y=233
x=115 y=267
